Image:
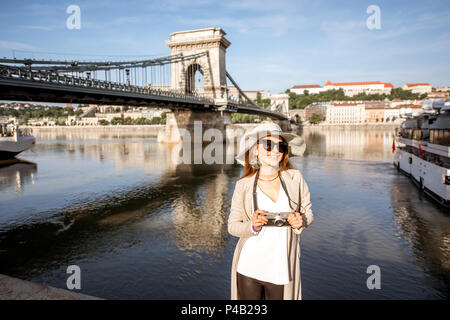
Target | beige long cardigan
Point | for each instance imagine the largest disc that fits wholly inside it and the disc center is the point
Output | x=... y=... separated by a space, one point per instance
x=239 y=225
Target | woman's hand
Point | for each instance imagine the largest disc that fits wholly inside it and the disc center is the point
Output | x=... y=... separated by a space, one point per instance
x=295 y=220
x=259 y=219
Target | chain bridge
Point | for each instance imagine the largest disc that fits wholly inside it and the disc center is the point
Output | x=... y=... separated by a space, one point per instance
x=192 y=82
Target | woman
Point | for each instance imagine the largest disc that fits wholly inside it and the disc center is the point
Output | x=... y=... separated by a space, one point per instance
x=266 y=262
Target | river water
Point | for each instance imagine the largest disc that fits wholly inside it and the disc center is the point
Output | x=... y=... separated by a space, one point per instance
x=140 y=226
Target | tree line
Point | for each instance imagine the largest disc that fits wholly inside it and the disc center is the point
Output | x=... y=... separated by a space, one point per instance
x=301 y=101
x=59 y=113
x=129 y=121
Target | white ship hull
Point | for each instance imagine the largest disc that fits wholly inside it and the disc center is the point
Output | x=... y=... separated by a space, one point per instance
x=10 y=147
x=429 y=177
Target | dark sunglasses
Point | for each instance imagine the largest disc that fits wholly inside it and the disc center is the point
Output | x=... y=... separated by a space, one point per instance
x=269 y=145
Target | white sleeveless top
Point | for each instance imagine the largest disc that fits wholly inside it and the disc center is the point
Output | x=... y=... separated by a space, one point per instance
x=264 y=257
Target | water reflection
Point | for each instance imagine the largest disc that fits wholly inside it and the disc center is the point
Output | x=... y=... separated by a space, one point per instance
x=96 y=133
x=146 y=153
x=425 y=228
x=16 y=176
x=142 y=151
x=352 y=144
x=199 y=215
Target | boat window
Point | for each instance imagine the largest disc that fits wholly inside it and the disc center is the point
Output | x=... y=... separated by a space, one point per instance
x=446 y=180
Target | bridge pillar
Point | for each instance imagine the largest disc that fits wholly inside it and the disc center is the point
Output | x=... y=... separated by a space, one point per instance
x=285 y=125
x=195 y=126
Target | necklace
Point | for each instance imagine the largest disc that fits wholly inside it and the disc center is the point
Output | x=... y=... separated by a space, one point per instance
x=268 y=179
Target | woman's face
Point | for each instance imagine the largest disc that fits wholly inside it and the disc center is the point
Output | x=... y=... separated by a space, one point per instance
x=274 y=156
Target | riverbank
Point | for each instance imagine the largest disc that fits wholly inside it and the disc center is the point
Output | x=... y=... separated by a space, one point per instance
x=153 y=130
x=120 y=131
x=17 y=289
x=365 y=126
x=129 y=130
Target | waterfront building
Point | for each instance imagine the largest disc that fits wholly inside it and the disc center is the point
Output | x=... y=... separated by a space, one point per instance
x=253 y=94
x=311 y=88
x=41 y=122
x=374 y=114
x=111 y=108
x=367 y=87
x=444 y=88
x=391 y=113
x=373 y=103
x=316 y=108
x=397 y=102
x=233 y=92
x=151 y=113
x=77 y=121
x=437 y=95
x=345 y=113
x=108 y=116
x=419 y=88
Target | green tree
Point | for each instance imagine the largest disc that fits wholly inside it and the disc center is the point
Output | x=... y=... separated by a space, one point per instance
x=316 y=118
x=264 y=103
x=245 y=118
x=117 y=121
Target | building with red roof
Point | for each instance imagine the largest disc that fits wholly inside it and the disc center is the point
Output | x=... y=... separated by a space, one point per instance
x=420 y=88
x=354 y=88
x=311 y=88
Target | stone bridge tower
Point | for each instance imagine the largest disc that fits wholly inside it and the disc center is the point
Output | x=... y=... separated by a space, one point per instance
x=212 y=69
x=280 y=103
x=211 y=66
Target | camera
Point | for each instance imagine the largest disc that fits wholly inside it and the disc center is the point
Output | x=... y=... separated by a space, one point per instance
x=277 y=219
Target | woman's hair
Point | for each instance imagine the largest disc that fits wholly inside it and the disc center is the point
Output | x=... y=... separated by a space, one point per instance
x=249 y=170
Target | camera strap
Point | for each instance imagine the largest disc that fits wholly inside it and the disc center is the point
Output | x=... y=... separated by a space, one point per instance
x=255 y=202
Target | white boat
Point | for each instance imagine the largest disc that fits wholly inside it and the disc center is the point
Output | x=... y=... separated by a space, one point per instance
x=12 y=142
x=422 y=150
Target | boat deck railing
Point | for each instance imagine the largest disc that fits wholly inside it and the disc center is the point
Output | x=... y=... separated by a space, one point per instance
x=428 y=156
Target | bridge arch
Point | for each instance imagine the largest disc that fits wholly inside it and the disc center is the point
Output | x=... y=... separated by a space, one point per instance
x=196 y=78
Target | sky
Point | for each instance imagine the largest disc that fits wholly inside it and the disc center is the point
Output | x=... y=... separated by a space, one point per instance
x=274 y=44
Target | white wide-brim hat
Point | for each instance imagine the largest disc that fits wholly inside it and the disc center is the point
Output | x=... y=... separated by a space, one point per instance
x=250 y=138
